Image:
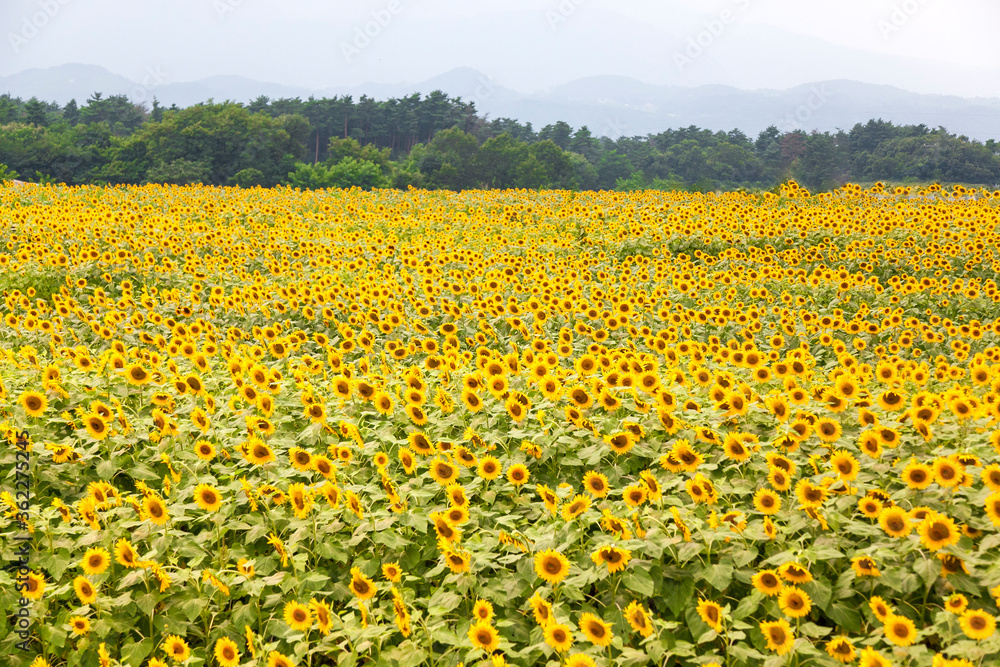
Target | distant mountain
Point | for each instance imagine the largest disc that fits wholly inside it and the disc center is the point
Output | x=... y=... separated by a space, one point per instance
x=608 y=105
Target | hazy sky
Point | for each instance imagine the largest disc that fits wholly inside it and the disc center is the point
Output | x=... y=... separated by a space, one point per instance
x=922 y=45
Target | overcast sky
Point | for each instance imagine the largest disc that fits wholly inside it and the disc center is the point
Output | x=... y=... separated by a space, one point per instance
x=923 y=45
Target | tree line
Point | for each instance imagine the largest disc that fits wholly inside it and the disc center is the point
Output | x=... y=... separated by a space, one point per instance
x=436 y=141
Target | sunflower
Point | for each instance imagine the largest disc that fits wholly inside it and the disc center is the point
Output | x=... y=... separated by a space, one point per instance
x=864 y=566
x=322 y=613
x=155 y=510
x=176 y=648
x=993 y=507
x=794 y=602
x=579 y=660
x=917 y=475
x=711 y=613
x=841 y=649
x=125 y=554
x=362 y=587
x=551 y=566
x=615 y=558
x=778 y=635
x=482 y=611
x=978 y=624
x=575 y=507
x=899 y=630
x=767 y=501
x=204 y=450
x=488 y=468
x=484 y=636
x=95 y=561
x=298 y=616
x=34 y=587
x=382 y=402
x=518 y=474
x=638 y=619
x=948 y=473
x=137 y=375
x=300 y=459
x=207 y=497
x=258 y=452
x=559 y=637
x=392 y=572
x=991 y=477
x=895 y=521
x=34 y=403
x=845 y=465
x=276 y=659
x=828 y=430
x=596 y=484
x=80 y=625
x=795 y=573
x=85 y=590
x=880 y=608
x=226 y=652
x=595 y=630
x=767 y=582
x=938 y=531
x=443 y=472
x=620 y=443
x=872 y=658
x=541 y=609
x=956 y=603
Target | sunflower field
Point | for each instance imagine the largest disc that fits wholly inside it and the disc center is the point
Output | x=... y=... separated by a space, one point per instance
x=272 y=427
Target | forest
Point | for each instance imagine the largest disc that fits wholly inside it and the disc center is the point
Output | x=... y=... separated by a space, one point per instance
x=438 y=142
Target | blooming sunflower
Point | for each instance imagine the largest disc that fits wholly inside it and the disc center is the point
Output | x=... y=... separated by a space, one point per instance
x=85 y=590
x=362 y=587
x=614 y=557
x=226 y=652
x=176 y=648
x=794 y=602
x=978 y=624
x=484 y=636
x=938 y=531
x=34 y=403
x=559 y=637
x=841 y=649
x=298 y=616
x=899 y=630
x=551 y=566
x=95 y=561
x=207 y=497
x=778 y=635
x=711 y=613
x=595 y=630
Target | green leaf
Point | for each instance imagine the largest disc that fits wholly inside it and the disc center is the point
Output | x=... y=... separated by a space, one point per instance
x=718 y=575
x=679 y=595
x=134 y=654
x=639 y=581
x=846 y=616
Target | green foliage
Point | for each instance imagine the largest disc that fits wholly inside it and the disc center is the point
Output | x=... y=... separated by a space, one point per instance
x=178 y=172
x=347 y=173
x=7 y=174
x=434 y=141
x=249 y=178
